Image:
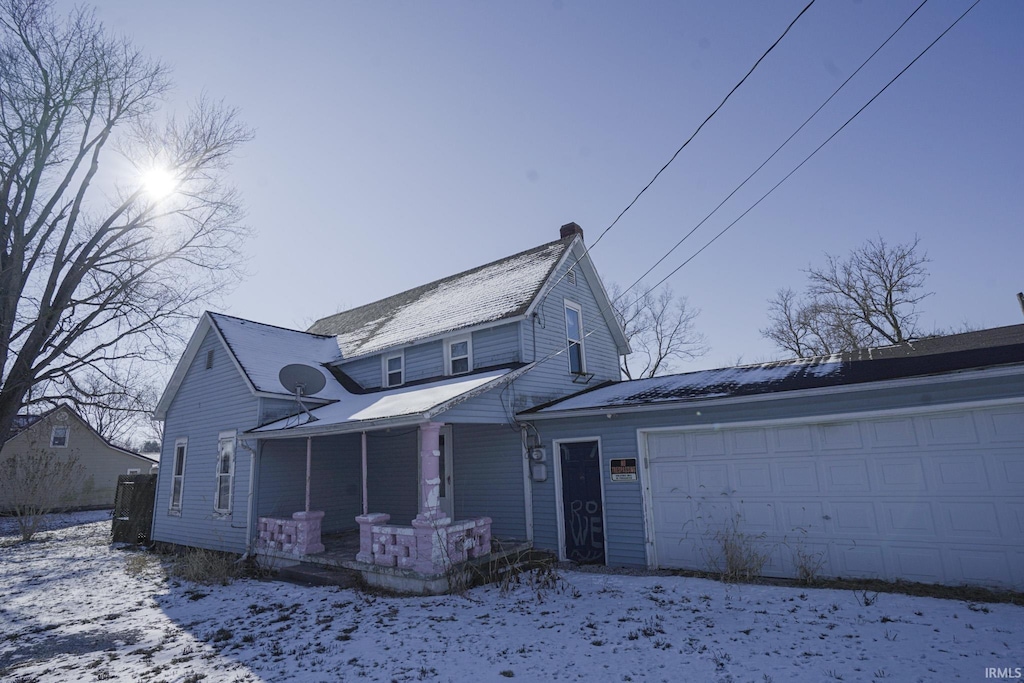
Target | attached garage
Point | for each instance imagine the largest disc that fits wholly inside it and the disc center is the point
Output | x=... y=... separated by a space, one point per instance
x=930 y=496
x=904 y=463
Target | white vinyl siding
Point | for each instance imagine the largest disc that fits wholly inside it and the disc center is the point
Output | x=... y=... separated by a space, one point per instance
x=225 y=472
x=178 y=475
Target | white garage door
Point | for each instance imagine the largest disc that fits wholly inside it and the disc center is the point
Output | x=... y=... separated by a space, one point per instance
x=936 y=497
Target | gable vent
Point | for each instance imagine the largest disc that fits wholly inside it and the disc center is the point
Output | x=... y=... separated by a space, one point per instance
x=571 y=277
x=209 y=359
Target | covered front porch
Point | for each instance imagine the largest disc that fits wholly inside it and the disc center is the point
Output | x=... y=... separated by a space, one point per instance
x=383 y=503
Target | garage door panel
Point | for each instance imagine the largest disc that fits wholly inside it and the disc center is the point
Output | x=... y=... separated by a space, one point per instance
x=840 y=436
x=1007 y=426
x=1009 y=471
x=946 y=430
x=847 y=475
x=980 y=565
x=918 y=564
x=908 y=519
x=797 y=477
x=757 y=516
x=970 y=521
x=667 y=445
x=752 y=478
x=806 y=517
x=793 y=440
x=670 y=479
x=960 y=473
x=896 y=475
x=1013 y=513
x=859 y=561
x=892 y=433
x=854 y=518
x=703 y=444
x=749 y=441
x=710 y=479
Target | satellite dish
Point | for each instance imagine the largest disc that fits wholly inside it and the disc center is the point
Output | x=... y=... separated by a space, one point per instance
x=302 y=380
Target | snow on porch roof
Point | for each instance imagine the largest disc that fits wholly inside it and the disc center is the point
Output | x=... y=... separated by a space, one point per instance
x=495 y=291
x=262 y=350
x=356 y=412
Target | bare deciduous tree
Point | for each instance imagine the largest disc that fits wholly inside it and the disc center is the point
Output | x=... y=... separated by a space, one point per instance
x=660 y=330
x=116 y=401
x=115 y=221
x=867 y=299
x=35 y=481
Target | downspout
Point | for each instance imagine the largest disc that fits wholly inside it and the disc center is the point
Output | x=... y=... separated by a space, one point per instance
x=309 y=466
x=251 y=500
x=366 y=501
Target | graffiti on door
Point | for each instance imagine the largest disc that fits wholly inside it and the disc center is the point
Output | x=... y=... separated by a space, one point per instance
x=583 y=515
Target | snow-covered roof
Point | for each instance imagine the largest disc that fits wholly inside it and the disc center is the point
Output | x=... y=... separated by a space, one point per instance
x=496 y=291
x=354 y=412
x=859 y=367
x=262 y=350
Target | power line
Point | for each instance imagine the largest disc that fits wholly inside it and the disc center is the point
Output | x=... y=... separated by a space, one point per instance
x=818 y=148
x=772 y=155
x=688 y=140
x=562 y=350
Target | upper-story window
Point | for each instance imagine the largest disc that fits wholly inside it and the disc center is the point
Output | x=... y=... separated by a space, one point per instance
x=59 y=436
x=458 y=354
x=574 y=337
x=394 y=369
x=178 y=475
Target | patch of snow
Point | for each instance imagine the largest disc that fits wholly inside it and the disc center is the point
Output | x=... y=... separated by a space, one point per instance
x=74 y=608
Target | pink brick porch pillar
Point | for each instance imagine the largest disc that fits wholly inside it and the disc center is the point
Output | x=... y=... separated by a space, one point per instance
x=366 y=523
x=431 y=522
x=430 y=469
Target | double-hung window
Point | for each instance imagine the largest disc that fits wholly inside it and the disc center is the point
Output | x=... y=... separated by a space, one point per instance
x=178 y=474
x=458 y=355
x=394 y=369
x=225 y=472
x=574 y=338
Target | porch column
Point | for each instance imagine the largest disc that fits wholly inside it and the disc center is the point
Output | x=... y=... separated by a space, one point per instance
x=430 y=469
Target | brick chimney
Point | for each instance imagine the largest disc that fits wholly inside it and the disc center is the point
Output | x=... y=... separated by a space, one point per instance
x=570 y=229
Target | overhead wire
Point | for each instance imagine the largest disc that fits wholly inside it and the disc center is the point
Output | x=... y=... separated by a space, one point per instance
x=772 y=155
x=562 y=350
x=819 y=147
x=688 y=140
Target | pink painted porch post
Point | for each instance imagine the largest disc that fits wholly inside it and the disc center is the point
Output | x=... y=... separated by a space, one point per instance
x=431 y=522
x=430 y=472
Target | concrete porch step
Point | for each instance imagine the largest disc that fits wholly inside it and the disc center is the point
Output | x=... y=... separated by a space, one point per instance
x=306 y=574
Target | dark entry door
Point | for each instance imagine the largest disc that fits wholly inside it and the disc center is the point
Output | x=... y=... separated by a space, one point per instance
x=582 y=508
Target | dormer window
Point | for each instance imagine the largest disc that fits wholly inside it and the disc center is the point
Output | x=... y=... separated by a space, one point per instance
x=458 y=355
x=394 y=369
x=574 y=338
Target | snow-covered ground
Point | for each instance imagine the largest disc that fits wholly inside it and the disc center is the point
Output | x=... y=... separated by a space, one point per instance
x=70 y=610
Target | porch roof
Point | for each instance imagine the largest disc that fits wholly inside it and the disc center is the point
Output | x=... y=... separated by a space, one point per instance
x=392 y=407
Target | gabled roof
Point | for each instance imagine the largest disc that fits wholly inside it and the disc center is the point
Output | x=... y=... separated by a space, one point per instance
x=933 y=356
x=25 y=421
x=500 y=290
x=258 y=352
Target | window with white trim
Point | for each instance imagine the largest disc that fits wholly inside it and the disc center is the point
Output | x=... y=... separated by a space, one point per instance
x=574 y=337
x=394 y=369
x=458 y=355
x=134 y=470
x=178 y=474
x=59 y=436
x=225 y=472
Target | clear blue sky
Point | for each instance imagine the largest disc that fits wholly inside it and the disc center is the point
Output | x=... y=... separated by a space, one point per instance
x=399 y=142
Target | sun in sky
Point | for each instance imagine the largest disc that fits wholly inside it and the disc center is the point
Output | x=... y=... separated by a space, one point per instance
x=159 y=181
